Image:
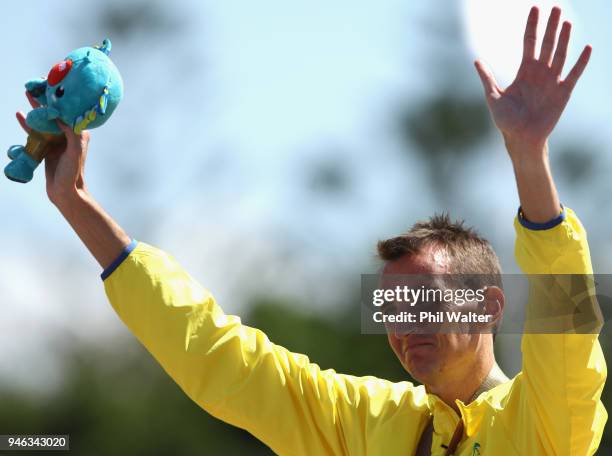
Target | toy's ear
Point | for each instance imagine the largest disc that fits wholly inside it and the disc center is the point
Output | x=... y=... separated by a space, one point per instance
x=105 y=46
x=81 y=122
x=37 y=87
x=103 y=101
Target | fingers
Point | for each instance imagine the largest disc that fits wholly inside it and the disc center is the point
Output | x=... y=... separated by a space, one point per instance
x=22 y=121
x=576 y=71
x=74 y=141
x=488 y=80
x=550 y=36
x=71 y=137
x=561 y=51
x=531 y=30
x=50 y=165
x=65 y=128
x=35 y=104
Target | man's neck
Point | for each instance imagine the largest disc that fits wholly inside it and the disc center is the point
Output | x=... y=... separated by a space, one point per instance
x=466 y=386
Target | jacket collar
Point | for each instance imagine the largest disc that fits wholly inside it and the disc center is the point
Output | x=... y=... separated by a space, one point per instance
x=445 y=418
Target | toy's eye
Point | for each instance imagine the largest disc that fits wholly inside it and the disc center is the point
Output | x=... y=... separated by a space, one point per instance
x=59 y=92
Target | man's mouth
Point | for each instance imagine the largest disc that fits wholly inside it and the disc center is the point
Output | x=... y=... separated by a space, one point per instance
x=414 y=342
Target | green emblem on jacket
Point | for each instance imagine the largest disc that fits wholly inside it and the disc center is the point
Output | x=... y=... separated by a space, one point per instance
x=476 y=449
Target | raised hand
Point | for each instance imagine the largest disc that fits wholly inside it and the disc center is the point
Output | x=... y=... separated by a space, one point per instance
x=527 y=111
x=65 y=163
x=64 y=169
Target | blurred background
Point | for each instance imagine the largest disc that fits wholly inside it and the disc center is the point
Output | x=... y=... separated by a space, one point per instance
x=267 y=146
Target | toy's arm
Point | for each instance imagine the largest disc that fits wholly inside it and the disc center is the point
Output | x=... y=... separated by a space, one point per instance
x=37 y=89
x=43 y=120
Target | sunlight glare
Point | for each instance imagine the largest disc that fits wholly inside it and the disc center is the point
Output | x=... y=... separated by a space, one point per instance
x=494 y=31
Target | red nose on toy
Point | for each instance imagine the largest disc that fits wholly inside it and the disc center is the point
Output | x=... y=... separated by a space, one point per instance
x=59 y=71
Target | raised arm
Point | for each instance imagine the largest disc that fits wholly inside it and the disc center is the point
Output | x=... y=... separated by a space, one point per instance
x=65 y=171
x=555 y=407
x=232 y=371
x=527 y=111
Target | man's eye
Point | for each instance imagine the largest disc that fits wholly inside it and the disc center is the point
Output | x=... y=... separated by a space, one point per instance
x=389 y=308
x=59 y=92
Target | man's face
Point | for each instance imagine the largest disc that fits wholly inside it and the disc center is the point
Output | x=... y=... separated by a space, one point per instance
x=436 y=357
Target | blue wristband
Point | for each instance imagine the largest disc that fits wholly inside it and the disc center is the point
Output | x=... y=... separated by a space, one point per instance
x=115 y=264
x=541 y=226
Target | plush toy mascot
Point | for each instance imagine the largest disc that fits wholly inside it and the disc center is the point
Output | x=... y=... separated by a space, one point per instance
x=82 y=91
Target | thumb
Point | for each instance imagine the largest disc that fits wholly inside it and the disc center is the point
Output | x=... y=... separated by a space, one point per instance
x=66 y=129
x=73 y=141
x=488 y=80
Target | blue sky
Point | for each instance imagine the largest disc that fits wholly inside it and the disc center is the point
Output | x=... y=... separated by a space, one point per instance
x=207 y=149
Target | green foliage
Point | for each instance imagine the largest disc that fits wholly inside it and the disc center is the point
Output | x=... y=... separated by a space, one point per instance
x=444 y=132
x=577 y=162
x=124 y=19
x=335 y=342
x=115 y=399
x=447 y=125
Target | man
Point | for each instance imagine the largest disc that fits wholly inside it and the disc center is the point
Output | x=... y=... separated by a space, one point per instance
x=466 y=405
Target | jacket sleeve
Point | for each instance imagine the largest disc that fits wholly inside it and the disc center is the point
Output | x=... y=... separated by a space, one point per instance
x=563 y=374
x=236 y=374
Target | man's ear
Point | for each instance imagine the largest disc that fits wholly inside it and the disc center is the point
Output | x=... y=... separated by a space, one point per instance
x=493 y=305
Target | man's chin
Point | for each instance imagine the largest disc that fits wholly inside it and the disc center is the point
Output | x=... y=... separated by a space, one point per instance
x=422 y=370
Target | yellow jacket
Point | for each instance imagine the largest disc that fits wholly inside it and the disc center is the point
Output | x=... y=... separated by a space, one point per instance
x=236 y=374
